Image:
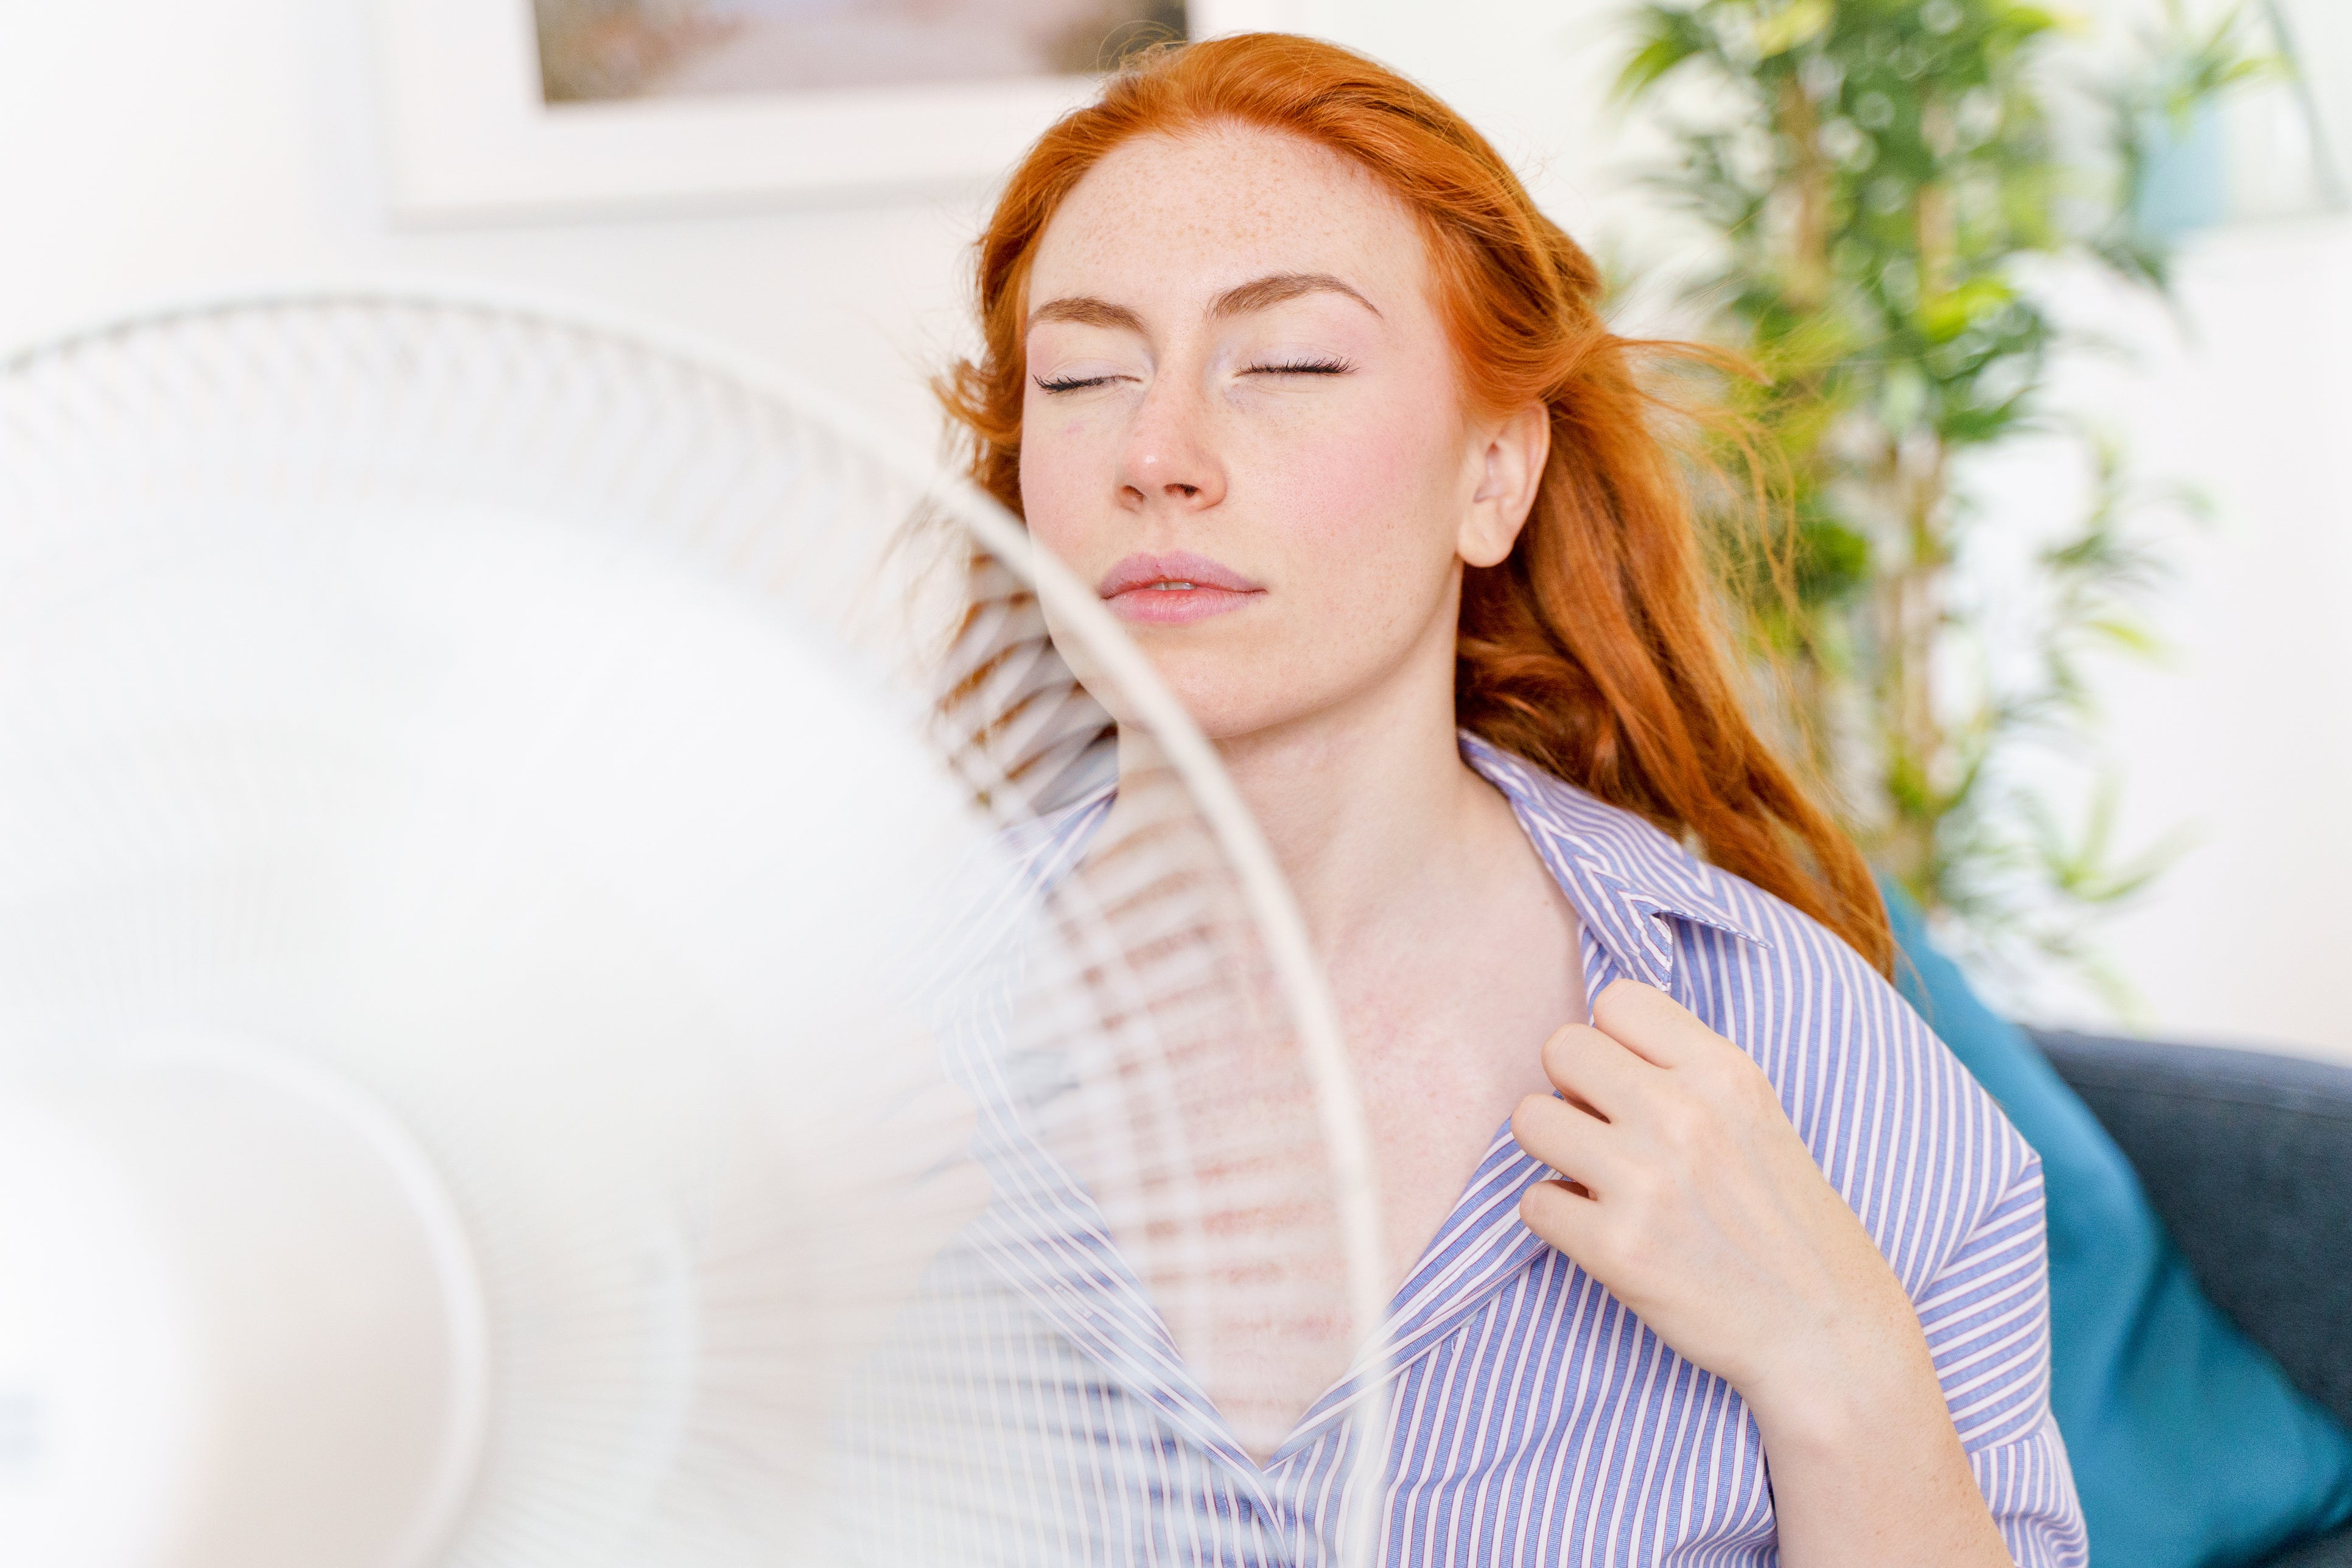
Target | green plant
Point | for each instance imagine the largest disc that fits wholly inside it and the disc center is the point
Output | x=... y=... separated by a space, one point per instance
x=1882 y=175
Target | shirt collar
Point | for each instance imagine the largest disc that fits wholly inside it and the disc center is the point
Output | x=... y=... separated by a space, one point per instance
x=1623 y=878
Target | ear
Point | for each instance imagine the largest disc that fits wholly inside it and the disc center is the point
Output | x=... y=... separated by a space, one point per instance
x=1508 y=465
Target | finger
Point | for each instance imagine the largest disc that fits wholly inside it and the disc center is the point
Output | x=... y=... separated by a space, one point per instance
x=1652 y=1024
x=1595 y=1070
x=1574 y=1142
x=1562 y=1213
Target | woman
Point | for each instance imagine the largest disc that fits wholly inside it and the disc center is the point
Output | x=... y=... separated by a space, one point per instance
x=1280 y=356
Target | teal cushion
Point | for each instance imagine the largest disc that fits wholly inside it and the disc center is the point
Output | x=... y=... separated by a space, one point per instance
x=2190 y=1449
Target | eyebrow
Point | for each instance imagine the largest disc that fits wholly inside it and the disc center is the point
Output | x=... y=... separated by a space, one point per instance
x=1280 y=285
x=1255 y=295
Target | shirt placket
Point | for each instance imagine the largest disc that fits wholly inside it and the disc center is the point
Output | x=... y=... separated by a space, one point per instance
x=1051 y=1243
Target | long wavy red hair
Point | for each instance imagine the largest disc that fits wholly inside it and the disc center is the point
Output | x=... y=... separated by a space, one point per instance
x=1597 y=650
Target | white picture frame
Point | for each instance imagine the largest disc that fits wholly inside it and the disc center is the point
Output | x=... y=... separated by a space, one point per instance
x=469 y=137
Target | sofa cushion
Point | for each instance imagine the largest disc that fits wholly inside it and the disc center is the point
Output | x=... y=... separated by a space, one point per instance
x=2336 y=1552
x=2248 y=1160
x=2190 y=1447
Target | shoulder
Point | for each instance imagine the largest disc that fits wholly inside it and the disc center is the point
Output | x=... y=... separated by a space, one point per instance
x=1903 y=1132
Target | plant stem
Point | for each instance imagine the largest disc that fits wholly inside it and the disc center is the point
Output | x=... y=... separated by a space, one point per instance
x=1808 y=239
x=1910 y=473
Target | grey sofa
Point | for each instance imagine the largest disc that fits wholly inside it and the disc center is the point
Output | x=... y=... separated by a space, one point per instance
x=2248 y=1159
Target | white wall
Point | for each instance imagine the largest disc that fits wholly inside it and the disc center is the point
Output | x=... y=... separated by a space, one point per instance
x=2243 y=735
x=148 y=147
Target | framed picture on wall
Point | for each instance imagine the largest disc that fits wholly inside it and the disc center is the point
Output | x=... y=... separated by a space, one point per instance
x=505 y=108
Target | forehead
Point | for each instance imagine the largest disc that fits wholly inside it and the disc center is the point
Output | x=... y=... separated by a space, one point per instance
x=1184 y=218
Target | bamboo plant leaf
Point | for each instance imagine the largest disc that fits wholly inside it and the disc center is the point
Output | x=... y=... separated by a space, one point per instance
x=1891 y=172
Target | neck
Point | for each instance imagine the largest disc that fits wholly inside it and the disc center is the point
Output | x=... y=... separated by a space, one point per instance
x=1368 y=807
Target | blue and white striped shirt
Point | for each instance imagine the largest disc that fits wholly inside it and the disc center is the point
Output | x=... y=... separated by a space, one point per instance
x=1531 y=1419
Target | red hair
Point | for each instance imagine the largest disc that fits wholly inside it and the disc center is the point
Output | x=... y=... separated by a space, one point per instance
x=1596 y=649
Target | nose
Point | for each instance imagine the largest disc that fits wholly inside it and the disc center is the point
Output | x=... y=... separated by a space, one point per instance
x=1168 y=461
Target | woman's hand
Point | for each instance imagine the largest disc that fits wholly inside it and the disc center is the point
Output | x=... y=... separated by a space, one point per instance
x=1693 y=1200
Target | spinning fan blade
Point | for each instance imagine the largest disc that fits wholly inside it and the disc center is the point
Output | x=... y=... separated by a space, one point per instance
x=515 y=895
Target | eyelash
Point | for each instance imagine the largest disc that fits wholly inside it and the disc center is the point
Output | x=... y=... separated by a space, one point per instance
x=1045 y=385
x=1325 y=366
x=1328 y=364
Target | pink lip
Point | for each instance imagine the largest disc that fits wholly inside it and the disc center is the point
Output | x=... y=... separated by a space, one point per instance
x=1131 y=588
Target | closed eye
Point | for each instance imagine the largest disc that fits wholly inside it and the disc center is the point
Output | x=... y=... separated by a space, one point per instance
x=1072 y=383
x=1325 y=365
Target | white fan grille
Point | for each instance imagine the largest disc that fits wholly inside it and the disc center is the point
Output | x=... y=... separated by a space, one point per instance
x=666 y=1285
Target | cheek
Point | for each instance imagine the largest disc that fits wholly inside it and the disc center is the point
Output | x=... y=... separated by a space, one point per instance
x=1057 y=474
x=1368 y=495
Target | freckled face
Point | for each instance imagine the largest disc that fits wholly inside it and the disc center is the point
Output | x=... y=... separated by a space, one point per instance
x=1242 y=425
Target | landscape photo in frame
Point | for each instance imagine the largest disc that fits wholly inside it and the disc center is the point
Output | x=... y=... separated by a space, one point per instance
x=601 y=50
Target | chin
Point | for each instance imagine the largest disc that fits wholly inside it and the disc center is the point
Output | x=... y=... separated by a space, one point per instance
x=1225 y=698
x=1217 y=710
x=1230 y=686
x=1227 y=702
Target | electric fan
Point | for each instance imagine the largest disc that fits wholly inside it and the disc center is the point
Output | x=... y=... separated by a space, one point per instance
x=561 y=916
